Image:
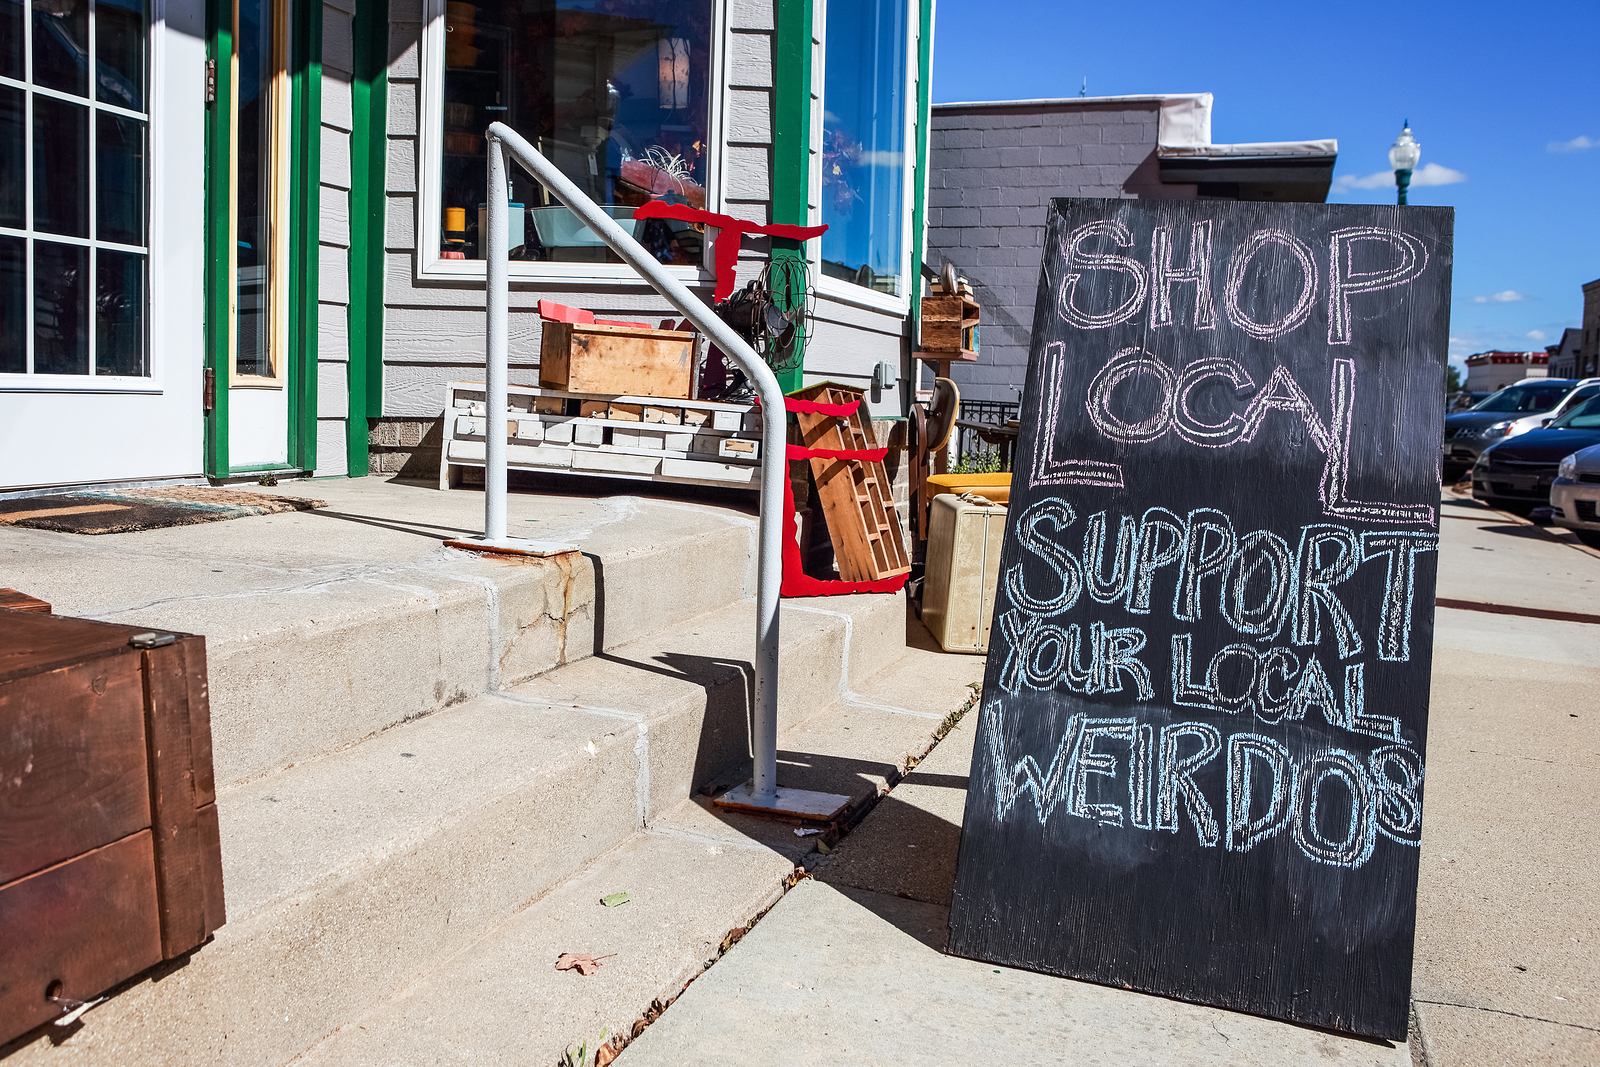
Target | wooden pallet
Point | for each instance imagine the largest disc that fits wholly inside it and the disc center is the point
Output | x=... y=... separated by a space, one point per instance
x=856 y=496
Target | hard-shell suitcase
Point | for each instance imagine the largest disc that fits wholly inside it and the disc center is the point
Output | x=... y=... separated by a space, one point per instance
x=963 y=569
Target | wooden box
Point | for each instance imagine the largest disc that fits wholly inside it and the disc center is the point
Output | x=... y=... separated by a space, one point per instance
x=110 y=857
x=946 y=318
x=589 y=358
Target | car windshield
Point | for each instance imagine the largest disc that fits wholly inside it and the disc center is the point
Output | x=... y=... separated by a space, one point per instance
x=1586 y=416
x=1525 y=399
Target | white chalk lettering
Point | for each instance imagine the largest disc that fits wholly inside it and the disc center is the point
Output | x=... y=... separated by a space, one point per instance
x=1086 y=761
x=1048 y=468
x=1208 y=547
x=1262 y=561
x=1317 y=579
x=1198 y=270
x=1102 y=589
x=1058 y=515
x=1360 y=833
x=1399 y=549
x=1131 y=363
x=1397 y=775
x=1161 y=540
x=1175 y=776
x=1344 y=280
x=1244 y=831
x=1239 y=264
x=1077 y=261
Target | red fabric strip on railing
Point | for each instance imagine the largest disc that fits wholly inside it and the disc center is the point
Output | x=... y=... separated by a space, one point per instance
x=817 y=407
x=870 y=455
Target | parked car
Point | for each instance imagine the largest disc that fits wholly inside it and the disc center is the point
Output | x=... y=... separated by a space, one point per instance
x=1517 y=473
x=1514 y=410
x=1575 y=494
x=1463 y=401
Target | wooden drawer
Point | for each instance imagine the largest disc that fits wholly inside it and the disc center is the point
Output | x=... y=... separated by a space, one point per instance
x=110 y=857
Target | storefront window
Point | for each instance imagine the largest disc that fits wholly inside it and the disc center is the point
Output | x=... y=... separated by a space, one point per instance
x=863 y=144
x=73 y=258
x=615 y=92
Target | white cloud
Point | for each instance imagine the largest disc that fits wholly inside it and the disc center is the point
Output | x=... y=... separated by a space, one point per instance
x=1509 y=296
x=1536 y=335
x=1429 y=174
x=883 y=159
x=1433 y=174
x=1577 y=144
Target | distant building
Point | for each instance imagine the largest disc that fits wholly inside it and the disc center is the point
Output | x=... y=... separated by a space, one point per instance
x=1564 y=356
x=995 y=166
x=1488 y=371
x=1589 y=353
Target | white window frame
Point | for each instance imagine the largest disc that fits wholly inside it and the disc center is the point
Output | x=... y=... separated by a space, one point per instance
x=154 y=382
x=835 y=289
x=431 y=267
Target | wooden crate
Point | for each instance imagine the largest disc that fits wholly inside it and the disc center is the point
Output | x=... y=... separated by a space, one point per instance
x=589 y=358
x=856 y=495
x=110 y=856
x=946 y=318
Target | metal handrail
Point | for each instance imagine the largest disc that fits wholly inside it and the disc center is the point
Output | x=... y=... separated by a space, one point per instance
x=503 y=141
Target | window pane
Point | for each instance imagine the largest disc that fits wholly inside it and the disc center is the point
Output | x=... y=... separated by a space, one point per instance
x=12 y=171
x=61 y=45
x=119 y=52
x=60 y=167
x=615 y=92
x=119 y=184
x=13 y=306
x=60 y=308
x=863 y=144
x=11 y=39
x=119 y=314
x=253 y=354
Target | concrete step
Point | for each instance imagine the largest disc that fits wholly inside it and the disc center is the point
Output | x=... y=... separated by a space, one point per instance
x=694 y=875
x=348 y=873
x=326 y=627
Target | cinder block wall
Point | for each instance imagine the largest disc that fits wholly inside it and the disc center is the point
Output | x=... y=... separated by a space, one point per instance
x=993 y=170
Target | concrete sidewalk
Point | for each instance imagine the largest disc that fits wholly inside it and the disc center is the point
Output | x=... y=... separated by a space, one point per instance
x=849 y=968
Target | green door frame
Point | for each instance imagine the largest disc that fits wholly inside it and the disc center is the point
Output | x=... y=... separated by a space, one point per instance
x=369 y=144
x=305 y=166
x=919 y=204
x=791 y=141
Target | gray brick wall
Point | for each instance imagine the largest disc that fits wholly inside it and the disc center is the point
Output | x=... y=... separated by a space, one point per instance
x=993 y=171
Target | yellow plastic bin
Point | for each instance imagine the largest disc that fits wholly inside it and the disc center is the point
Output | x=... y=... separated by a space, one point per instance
x=995 y=488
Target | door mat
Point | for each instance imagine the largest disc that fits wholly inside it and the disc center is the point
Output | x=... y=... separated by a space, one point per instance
x=106 y=511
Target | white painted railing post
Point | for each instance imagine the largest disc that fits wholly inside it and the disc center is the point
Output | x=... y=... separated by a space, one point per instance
x=503 y=141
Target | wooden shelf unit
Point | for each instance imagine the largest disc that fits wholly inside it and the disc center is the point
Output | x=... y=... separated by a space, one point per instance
x=856 y=495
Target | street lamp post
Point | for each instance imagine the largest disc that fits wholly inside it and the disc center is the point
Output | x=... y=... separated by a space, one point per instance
x=1403 y=157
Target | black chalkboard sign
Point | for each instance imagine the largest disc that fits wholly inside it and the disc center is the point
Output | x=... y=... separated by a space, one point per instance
x=1200 y=756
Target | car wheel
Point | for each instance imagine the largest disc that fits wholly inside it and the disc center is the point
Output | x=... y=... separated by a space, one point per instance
x=1589 y=537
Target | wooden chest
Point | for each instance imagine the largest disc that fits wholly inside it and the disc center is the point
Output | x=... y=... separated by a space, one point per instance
x=947 y=323
x=590 y=358
x=110 y=858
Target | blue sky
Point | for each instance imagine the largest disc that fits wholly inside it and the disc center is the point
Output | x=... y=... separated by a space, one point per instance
x=1502 y=96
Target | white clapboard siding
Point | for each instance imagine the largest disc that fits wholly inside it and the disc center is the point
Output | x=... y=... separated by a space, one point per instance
x=333 y=235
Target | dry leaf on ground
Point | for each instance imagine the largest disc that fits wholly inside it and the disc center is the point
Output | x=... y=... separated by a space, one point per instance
x=583 y=963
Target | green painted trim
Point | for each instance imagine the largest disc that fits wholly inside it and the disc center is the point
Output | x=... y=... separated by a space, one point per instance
x=219 y=49
x=368 y=159
x=305 y=212
x=791 y=137
x=919 y=206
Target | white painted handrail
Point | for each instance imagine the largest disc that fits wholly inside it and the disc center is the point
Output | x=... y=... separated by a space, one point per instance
x=504 y=141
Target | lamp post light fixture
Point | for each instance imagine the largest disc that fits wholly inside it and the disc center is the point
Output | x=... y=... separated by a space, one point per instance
x=1403 y=157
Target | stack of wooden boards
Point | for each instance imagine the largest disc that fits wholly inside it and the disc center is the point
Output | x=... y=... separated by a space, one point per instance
x=110 y=856
x=856 y=495
x=645 y=438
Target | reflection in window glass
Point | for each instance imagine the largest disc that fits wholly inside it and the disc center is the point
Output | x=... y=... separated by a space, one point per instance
x=60 y=308
x=253 y=354
x=615 y=92
x=61 y=45
x=60 y=167
x=119 y=52
x=12 y=174
x=863 y=144
x=11 y=39
x=119 y=179
x=119 y=314
x=13 y=305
